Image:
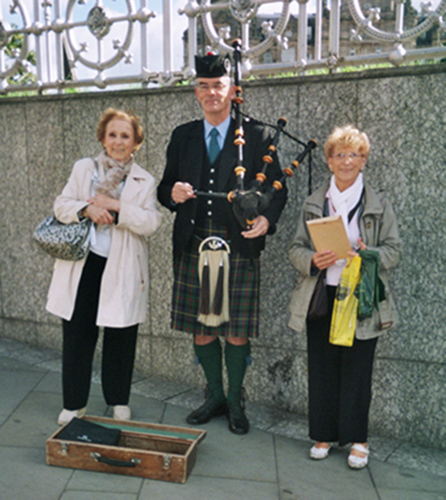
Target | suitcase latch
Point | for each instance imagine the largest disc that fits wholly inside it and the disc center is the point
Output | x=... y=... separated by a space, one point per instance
x=64 y=448
x=166 y=461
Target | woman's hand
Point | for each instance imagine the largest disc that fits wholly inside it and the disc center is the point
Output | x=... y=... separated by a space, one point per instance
x=103 y=201
x=323 y=260
x=361 y=245
x=98 y=215
x=182 y=191
x=259 y=228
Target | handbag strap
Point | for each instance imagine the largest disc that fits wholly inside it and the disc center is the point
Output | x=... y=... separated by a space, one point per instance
x=353 y=210
x=95 y=166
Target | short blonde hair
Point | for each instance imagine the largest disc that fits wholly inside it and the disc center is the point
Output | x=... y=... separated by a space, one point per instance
x=110 y=114
x=347 y=137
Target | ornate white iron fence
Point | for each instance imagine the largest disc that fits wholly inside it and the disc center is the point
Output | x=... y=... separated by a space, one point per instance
x=101 y=43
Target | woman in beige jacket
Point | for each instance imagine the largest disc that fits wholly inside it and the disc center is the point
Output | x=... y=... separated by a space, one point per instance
x=109 y=287
x=339 y=378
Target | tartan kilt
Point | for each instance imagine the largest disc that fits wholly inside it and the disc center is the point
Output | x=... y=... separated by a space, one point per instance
x=244 y=290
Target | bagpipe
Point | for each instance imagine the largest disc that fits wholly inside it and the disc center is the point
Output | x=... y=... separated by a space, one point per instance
x=252 y=202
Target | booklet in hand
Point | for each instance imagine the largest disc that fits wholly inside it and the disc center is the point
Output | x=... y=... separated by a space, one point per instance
x=328 y=233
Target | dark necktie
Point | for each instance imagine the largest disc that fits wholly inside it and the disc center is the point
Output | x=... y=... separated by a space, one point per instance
x=214 y=148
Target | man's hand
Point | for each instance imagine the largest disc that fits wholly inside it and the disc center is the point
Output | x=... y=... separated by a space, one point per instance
x=182 y=191
x=259 y=228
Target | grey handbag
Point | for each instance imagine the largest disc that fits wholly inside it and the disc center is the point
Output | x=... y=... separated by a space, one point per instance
x=63 y=241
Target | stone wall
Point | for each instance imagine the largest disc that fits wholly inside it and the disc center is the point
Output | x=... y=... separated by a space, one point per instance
x=404 y=113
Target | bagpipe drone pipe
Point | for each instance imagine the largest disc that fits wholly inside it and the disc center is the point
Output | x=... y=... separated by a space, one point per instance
x=249 y=203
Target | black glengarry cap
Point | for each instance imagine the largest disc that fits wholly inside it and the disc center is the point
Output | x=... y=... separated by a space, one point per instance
x=212 y=66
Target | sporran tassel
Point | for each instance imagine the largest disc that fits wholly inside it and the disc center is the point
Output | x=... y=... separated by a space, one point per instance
x=205 y=290
x=218 y=296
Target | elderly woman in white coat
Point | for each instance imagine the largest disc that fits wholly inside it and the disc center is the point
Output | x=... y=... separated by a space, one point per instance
x=109 y=287
x=339 y=378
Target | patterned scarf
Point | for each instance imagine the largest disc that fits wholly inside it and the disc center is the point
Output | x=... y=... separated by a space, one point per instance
x=115 y=173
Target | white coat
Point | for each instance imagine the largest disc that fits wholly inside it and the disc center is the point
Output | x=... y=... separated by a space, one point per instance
x=124 y=286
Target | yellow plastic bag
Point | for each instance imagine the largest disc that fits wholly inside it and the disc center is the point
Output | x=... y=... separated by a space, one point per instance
x=345 y=309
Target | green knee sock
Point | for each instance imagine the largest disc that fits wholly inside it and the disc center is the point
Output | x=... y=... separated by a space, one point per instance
x=210 y=358
x=236 y=358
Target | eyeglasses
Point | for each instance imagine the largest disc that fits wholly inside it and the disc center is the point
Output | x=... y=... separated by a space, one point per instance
x=343 y=156
x=218 y=87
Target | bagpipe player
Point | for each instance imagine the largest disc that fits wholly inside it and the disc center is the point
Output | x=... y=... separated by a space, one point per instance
x=216 y=287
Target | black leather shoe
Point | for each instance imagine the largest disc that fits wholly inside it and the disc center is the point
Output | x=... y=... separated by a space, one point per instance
x=210 y=409
x=238 y=423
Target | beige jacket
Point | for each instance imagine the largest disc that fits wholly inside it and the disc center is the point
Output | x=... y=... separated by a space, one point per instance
x=124 y=288
x=379 y=231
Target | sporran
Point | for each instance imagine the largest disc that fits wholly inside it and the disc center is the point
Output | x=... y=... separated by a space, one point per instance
x=213 y=267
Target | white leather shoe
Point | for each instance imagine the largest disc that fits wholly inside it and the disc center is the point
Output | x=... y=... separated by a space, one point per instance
x=355 y=462
x=320 y=453
x=121 y=412
x=66 y=416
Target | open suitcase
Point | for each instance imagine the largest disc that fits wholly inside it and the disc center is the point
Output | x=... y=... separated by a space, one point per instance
x=145 y=450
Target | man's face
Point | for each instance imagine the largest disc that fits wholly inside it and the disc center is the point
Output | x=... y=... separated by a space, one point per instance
x=214 y=94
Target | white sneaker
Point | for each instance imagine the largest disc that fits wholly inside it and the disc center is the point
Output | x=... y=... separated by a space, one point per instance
x=317 y=453
x=121 y=412
x=355 y=462
x=66 y=416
